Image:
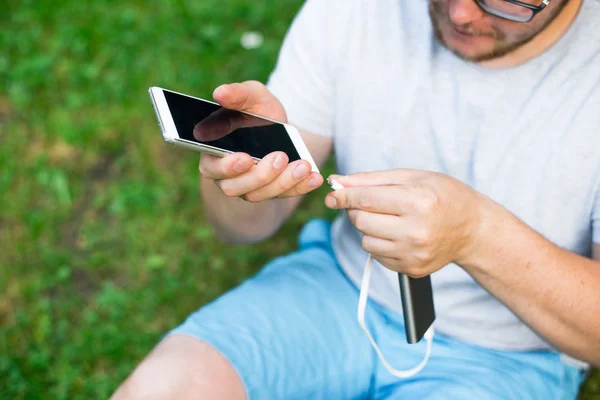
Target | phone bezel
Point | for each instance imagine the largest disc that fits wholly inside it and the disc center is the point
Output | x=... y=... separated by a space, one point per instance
x=170 y=134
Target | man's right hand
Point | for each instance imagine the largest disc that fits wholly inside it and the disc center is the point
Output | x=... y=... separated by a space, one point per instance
x=273 y=177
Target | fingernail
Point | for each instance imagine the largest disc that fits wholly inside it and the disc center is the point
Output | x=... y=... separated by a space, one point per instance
x=331 y=202
x=241 y=165
x=301 y=171
x=313 y=182
x=279 y=162
x=218 y=90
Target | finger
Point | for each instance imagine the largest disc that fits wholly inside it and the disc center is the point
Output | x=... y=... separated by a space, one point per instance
x=395 y=199
x=379 y=247
x=383 y=226
x=295 y=180
x=261 y=174
x=230 y=166
x=403 y=266
x=313 y=181
x=392 y=263
x=379 y=178
x=252 y=97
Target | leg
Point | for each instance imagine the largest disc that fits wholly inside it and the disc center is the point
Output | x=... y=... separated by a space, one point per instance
x=491 y=383
x=458 y=370
x=288 y=333
x=182 y=367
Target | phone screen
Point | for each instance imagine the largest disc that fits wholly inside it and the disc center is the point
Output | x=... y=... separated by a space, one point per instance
x=207 y=123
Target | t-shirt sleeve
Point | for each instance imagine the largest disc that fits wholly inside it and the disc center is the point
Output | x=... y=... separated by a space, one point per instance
x=303 y=78
x=596 y=218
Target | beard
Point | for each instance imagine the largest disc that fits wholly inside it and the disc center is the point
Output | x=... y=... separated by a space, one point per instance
x=502 y=44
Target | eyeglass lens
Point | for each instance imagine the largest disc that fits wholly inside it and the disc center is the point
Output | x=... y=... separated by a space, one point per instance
x=504 y=9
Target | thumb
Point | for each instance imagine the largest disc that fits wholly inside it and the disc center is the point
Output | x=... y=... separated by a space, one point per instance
x=378 y=178
x=252 y=97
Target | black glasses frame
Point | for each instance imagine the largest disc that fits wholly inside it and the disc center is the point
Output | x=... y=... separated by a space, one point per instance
x=535 y=9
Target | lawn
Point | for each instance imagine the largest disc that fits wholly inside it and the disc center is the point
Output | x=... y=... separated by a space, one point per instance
x=103 y=244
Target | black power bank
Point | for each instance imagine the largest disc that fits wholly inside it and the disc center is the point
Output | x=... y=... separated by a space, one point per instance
x=417 y=305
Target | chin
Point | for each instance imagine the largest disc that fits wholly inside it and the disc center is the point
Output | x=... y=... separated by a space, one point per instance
x=470 y=48
x=470 y=53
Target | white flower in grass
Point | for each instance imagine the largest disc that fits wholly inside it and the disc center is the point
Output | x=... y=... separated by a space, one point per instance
x=251 y=40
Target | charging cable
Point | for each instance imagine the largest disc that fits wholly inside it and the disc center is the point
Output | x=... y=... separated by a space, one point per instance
x=362 y=305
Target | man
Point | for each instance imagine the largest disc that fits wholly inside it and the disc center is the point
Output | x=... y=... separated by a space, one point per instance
x=467 y=139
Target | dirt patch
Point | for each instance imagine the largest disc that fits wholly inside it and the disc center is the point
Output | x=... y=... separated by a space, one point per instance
x=84 y=281
x=9 y=302
x=84 y=284
x=100 y=172
x=6 y=110
x=7 y=113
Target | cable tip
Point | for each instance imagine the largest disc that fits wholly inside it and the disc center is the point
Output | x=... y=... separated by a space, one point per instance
x=335 y=185
x=429 y=333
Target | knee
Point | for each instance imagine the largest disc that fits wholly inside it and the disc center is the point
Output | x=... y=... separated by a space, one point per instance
x=182 y=368
x=145 y=383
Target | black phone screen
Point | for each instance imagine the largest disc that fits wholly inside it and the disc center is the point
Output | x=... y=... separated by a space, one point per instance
x=207 y=123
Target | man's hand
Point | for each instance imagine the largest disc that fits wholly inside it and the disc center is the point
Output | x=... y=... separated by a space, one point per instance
x=236 y=175
x=414 y=222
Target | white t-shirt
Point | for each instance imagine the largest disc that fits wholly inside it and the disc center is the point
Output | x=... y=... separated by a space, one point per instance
x=370 y=75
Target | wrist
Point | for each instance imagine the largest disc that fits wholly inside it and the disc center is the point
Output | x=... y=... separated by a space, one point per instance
x=487 y=222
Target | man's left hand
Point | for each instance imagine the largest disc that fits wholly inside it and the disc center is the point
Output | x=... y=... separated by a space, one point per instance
x=414 y=222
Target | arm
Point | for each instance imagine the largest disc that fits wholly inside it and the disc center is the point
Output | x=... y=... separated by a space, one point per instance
x=554 y=291
x=303 y=81
x=416 y=222
x=239 y=221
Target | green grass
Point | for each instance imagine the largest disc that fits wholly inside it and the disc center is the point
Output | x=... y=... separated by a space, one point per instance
x=102 y=250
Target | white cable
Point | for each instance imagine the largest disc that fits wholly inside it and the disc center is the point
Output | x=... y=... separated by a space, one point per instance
x=362 y=305
x=335 y=185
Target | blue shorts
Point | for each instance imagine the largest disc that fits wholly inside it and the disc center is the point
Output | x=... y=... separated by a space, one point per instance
x=291 y=333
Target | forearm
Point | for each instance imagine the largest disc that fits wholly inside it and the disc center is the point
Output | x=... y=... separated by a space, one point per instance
x=239 y=221
x=554 y=291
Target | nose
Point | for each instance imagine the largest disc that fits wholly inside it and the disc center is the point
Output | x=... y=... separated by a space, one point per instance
x=462 y=12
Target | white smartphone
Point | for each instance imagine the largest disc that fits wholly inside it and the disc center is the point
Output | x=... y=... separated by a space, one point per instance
x=205 y=126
